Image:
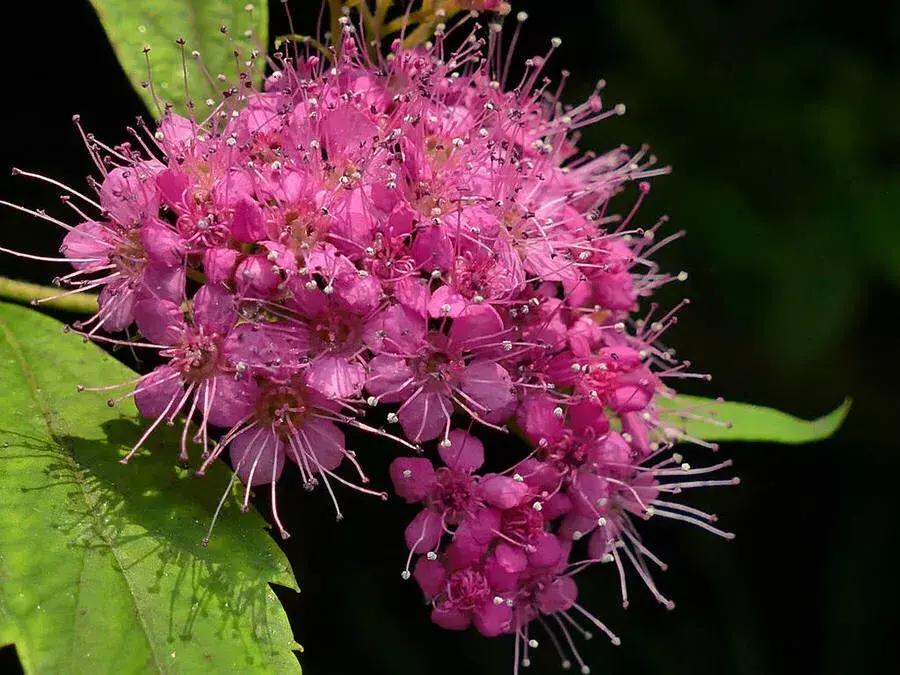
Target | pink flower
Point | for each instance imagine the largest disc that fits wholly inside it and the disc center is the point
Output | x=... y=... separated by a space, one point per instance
x=448 y=494
x=418 y=234
x=127 y=265
x=433 y=371
x=462 y=597
x=289 y=421
x=197 y=378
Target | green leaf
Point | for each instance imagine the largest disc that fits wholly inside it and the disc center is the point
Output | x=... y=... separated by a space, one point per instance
x=746 y=422
x=102 y=568
x=132 y=25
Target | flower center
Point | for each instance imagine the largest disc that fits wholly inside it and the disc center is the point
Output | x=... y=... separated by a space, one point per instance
x=467 y=589
x=523 y=523
x=129 y=256
x=451 y=494
x=335 y=332
x=303 y=226
x=440 y=366
x=283 y=407
x=199 y=359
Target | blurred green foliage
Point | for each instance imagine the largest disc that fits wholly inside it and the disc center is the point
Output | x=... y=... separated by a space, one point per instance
x=778 y=123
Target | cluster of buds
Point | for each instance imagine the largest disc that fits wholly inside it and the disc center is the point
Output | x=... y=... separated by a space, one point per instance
x=409 y=244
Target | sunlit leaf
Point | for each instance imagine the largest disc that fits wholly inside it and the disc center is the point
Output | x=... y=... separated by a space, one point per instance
x=726 y=421
x=102 y=568
x=132 y=25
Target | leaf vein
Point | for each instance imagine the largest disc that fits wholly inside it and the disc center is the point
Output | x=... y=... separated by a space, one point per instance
x=77 y=474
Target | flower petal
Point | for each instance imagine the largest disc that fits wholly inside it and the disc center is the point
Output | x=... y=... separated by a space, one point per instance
x=465 y=453
x=257 y=456
x=413 y=477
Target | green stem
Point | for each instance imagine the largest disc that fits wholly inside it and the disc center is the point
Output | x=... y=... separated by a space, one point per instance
x=334 y=7
x=26 y=293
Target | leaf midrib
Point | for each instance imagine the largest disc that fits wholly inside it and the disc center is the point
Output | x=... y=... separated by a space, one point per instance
x=77 y=473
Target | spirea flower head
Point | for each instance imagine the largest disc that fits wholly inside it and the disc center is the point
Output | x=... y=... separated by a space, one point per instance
x=413 y=237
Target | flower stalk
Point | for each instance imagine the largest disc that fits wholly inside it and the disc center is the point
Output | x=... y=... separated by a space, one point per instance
x=35 y=294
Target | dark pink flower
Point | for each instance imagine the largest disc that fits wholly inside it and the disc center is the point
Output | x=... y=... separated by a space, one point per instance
x=431 y=372
x=197 y=379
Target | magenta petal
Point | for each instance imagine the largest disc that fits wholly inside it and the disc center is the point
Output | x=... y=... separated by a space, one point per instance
x=547 y=553
x=491 y=619
x=537 y=418
x=219 y=264
x=510 y=558
x=336 y=377
x=172 y=185
x=255 y=277
x=450 y=619
x=117 y=303
x=233 y=401
x=630 y=398
x=347 y=129
x=483 y=525
x=160 y=321
x=412 y=478
x=265 y=348
x=473 y=538
x=466 y=453
x=425 y=416
x=129 y=195
x=477 y=326
x=431 y=576
x=163 y=283
x=574 y=525
x=589 y=493
x=177 y=130
x=588 y=416
x=446 y=302
x=387 y=375
x=612 y=449
x=557 y=506
x=325 y=442
x=359 y=295
x=396 y=330
x=412 y=292
x=402 y=218
x=500 y=579
x=247 y=223
x=88 y=240
x=257 y=457
x=424 y=532
x=432 y=249
x=539 y=474
x=558 y=596
x=504 y=492
x=584 y=336
x=383 y=197
x=162 y=244
x=354 y=221
x=636 y=428
x=615 y=291
x=490 y=386
x=214 y=310
x=235 y=186
x=600 y=543
x=157 y=390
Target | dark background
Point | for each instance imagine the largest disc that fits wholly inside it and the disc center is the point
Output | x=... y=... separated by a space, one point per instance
x=780 y=121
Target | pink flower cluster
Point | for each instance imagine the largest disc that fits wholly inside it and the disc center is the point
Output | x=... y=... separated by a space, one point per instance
x=412 y=240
